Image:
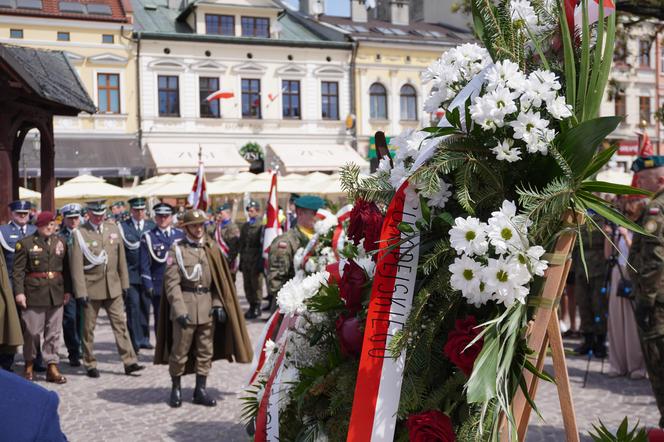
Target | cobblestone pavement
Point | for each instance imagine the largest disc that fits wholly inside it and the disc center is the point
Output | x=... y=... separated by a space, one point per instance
x=116 y=407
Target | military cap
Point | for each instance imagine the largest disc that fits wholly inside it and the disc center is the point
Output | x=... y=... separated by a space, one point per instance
x=193 y=216
x=163 y=209
x=253 y=203
x=293 y=197
x=651 y=162
x=118 y=204
x=20 y=206
x=96 y=207
x=137 y=203
x=45 y=218
x=310 y=202
x=225 y=206
x=71 y=210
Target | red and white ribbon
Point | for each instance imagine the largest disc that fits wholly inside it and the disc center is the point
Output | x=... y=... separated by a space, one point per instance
x=379 y=378
x=259 y=351
x=339 y=235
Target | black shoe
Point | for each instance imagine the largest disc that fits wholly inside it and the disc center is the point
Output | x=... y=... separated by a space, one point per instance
x=74 y=362
x=200 y=394
x=268 y=307
x=586 y=346
x=599 y=346
x=176 y=394
x=147 y=346
x=129 y=369
x=253 y=312
x=40 y=368
x=93 y=373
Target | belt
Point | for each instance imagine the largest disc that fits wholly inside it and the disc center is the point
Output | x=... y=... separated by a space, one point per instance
x=44 y=275
x=197 y=289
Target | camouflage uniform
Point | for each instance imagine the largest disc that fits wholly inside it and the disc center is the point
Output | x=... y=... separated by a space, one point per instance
x=282 y=251
x=647 y=257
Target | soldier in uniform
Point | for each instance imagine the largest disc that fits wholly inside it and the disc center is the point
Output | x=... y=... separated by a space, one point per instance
x=10 y=234
x=100 y=278
x=227 y=235
x=647 y=258
x=282 y=250
x=71 y=319
x=153 y=253
x=251 y=251
x=41 y=286
x=117 y=212
x=201 y=316
x=137 y=302
x=10 y=332
x=591 y=297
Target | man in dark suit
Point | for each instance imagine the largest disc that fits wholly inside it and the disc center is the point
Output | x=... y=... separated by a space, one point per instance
x=28 y=412
x=137 y=302
x=71 y=317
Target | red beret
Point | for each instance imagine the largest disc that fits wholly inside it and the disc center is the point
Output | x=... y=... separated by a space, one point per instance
x=44 y=218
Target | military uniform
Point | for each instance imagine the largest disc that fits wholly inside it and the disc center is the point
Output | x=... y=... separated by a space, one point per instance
x=41 y=273
x=99 y=277
x=227 y=235
x=251 y=252
x=647 y=257
x=282 y=251
x=71 y=316
x=10 y=332
x=591 y=297
x=137 y=302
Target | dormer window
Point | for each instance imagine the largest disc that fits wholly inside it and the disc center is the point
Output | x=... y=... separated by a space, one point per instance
x=219 y=24
x=256 y=27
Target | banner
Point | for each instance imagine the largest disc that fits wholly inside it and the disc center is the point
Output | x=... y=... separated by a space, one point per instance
x=272 y=227
x=198 y=198
x=379 y=378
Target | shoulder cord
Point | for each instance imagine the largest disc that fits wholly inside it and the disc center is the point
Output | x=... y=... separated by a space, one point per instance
x=130 y=245
x=95 y=260
x=196 y=273
x=148 y=241
x=4 y=244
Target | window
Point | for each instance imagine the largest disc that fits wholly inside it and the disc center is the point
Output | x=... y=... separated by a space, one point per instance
x=620 y=105
x=16 y=33
x=108 y=93
x=206 y=86
x=169 y=95
x=644 y=54
x=290 y=92
x=251 y=98
x=644 y=109
x=377 y=102
x=108 y=38
x=408 y=103
x=255 y=27
x=63 y=36
x=219 y=24
x=330 y=100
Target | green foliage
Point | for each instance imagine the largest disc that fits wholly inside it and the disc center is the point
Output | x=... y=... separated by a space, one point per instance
x=624 y=434
x=370 y=188
x=252 y=151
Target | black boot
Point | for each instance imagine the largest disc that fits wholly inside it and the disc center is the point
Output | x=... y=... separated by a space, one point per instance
x=253 y=312
x=176 y=393
x=268 y=307
x=586 y=346
x=200 y=394
x=599 y=346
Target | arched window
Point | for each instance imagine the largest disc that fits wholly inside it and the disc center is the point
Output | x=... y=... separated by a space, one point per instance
x=408 y=102
x=378 y=102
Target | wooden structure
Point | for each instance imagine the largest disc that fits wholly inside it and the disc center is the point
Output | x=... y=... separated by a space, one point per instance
x=35 y=85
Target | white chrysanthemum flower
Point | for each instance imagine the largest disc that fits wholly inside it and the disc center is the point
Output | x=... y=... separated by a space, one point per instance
x=269 y=349
x=502 y=101
x=298 y=258
x=529 y=127
x=532 y=260
x=291 y=297
x=505 y=152
x=312 y=283
x=435 y=99
x=311 y=265
x=323 y=226
x=505 y=73
x=367 y=264
x=442 y=196
x=408 y=144
x=482 y=112
x=542 y=87
x=523 y=12
x=398 y=175
x=558 y=108
x=506 y=282
x=504 y=234
x=468 y=235
x=467 y=278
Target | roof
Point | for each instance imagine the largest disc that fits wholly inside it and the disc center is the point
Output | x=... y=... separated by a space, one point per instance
x=416 y=32
x=96 y=10
x=50 y=76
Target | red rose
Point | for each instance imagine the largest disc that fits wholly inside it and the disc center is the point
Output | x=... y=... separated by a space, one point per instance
x=458 y=339
x=365 y=223
x=351 y=286
x=430 y=426
x=350 y=336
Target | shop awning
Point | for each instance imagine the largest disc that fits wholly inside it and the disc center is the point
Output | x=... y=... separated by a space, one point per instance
x=183 y=157
x=314 y=157
x=107 y=157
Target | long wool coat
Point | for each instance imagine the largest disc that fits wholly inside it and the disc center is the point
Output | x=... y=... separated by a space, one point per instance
x=10 y=326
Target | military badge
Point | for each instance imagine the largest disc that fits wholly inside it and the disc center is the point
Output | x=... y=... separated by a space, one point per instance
x=18 y=246
x=59 y=248
x=114 y=236
x=13 y=236
x=36 y=262
x=282 y=245
x=651 y=226
x=654 y=211
x=94 y=243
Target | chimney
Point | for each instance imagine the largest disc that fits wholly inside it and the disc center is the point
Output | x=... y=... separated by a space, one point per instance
x=312 y=7
x=358 y=11
x=399 y=14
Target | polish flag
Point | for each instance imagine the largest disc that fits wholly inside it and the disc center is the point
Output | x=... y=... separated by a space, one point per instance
x=198 y=198
x=593 y=11
x=272 y=227
x=219 y=95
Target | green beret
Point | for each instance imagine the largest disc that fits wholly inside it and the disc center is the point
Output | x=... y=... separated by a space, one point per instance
x=651 y=162
x=310 y=202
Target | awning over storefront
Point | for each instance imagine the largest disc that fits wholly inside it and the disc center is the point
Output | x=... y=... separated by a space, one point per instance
x=107 y=157
x=314 y=157
x=176 y=158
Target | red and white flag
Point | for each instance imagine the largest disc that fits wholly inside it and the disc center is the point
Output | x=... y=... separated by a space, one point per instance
x=219 y=95
x=272 y=226
x=645 y=145
x=379 y=378
x=593 y=11
x=198 y=198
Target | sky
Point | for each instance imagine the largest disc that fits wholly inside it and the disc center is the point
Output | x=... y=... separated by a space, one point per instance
x=332 y=7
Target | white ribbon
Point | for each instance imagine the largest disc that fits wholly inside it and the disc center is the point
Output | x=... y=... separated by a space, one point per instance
x=94 y=260
x=130 y=245
x=196 y=272
x=4 y=244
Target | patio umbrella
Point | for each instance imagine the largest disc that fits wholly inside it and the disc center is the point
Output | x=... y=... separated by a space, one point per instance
x=27 y=194
x=89 y=188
